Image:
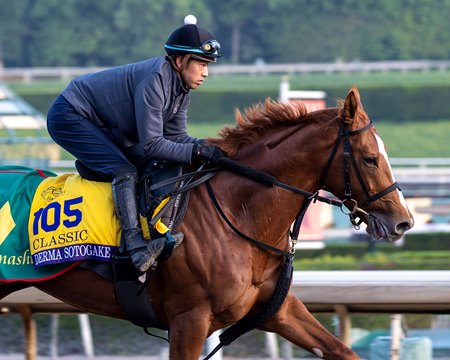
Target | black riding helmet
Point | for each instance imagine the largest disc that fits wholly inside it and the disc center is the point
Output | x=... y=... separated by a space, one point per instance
x=194 y=40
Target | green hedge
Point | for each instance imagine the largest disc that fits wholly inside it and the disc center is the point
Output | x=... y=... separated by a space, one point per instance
x=356 y=249
x=419 y=252
x=378 y=261
x=391 y=104
x=412 y=242
x=426 y=260
x=401 y=104
x=432 y=241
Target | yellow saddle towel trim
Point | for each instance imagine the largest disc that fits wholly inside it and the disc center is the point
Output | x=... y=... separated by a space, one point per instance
x=160 y=227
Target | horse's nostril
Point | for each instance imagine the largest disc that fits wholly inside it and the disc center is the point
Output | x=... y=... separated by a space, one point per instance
x=403 y=227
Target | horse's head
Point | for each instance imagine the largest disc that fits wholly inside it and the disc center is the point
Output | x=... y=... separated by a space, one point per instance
x=364 y=178
x=277 y=137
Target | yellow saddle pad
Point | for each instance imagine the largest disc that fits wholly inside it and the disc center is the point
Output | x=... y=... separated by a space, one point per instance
x=72 y=219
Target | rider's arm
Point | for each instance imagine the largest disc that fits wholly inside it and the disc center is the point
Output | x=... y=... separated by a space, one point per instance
x=159 y=131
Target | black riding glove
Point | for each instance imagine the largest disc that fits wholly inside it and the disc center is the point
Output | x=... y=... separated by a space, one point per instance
x=209 y=153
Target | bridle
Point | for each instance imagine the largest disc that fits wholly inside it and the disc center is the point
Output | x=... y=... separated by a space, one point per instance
x=349 y=161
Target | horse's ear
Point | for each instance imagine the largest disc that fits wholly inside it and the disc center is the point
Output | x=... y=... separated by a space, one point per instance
x=353 y=108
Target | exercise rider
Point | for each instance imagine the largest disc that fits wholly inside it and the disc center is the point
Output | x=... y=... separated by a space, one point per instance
x=116 y=121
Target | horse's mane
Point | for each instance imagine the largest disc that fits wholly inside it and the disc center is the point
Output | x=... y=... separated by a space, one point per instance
x=256 y=121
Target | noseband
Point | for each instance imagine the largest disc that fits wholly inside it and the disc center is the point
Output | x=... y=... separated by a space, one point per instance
x=349 y=160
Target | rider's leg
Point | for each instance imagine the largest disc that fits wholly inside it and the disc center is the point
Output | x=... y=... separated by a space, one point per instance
x=143 y=253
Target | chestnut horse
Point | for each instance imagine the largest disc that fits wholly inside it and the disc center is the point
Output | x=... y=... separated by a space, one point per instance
x=214 y=278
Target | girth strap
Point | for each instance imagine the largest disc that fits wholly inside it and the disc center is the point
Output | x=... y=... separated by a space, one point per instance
x=134 y=302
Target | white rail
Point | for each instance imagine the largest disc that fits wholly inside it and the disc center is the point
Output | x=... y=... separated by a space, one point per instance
x=406 y=166
x=360 y=291
x=65 y=73
x=420 y=162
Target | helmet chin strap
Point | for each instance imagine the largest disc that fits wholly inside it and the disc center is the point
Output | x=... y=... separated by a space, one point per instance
x=180 y=69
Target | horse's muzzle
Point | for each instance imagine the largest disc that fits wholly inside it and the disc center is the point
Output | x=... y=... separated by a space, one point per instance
x=381 y=229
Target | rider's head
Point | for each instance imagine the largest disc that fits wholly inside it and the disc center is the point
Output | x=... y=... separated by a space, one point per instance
x=193 y=41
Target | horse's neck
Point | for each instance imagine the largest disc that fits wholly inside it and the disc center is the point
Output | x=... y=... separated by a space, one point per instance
x=295 y=159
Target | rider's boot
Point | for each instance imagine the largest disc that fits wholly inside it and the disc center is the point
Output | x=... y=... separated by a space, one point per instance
x=143 y=253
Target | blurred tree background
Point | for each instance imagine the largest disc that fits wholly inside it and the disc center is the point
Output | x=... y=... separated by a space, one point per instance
x=113 y=32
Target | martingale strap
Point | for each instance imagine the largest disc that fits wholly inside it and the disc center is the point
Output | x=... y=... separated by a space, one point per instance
x=250 y=322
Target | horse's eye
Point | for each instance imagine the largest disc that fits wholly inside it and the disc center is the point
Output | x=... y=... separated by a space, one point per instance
x=371 y=161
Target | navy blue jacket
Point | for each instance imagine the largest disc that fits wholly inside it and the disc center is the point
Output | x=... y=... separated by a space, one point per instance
x=141 y=106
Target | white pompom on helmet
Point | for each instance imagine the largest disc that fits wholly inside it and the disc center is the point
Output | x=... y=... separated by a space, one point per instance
x=194 y=40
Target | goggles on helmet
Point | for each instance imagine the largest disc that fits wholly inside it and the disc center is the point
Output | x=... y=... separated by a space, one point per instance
x=211 y=47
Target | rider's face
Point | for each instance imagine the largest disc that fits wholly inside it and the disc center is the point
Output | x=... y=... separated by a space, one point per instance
x=195 y=73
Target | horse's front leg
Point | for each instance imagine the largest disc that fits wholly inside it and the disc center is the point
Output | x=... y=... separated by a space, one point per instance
x=295 y=323
x=187 y=334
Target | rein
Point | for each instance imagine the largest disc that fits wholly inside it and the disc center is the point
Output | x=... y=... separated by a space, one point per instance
x=261 y=177
x=271 y=181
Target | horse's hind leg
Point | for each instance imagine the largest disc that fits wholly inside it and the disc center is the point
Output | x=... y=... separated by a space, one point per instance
x=295 y=323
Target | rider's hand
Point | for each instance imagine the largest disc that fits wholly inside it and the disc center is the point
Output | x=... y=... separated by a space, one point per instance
x=205 y=152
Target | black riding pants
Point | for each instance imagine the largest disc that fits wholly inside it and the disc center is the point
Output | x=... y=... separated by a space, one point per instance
x=97 y=154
